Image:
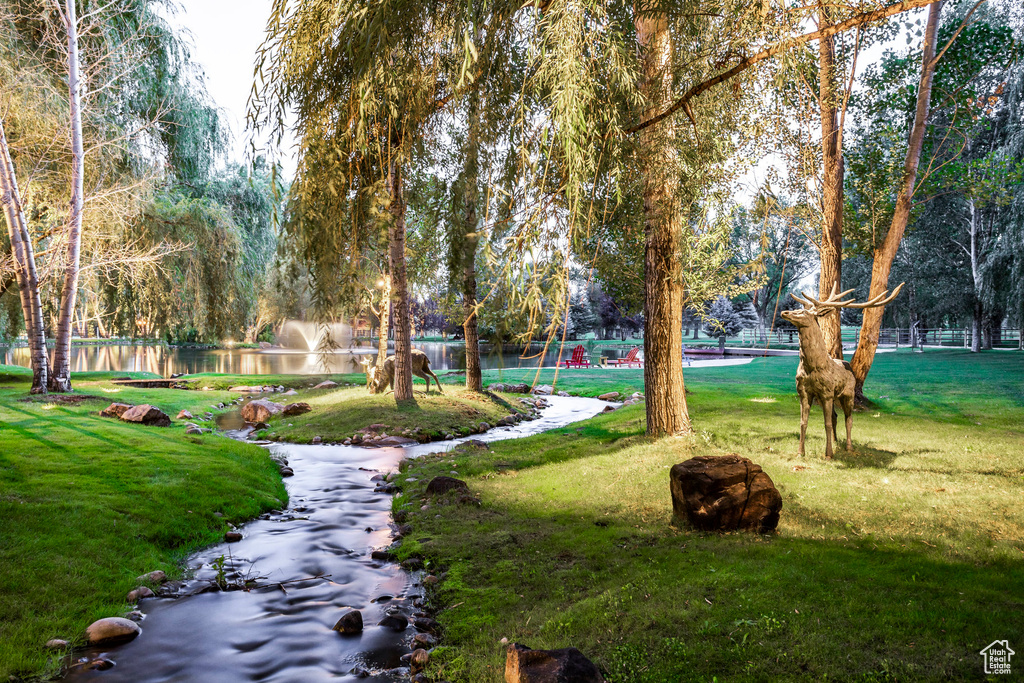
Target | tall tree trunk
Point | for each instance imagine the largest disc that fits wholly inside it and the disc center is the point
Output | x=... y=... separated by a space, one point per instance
x=24 y=267
x=976 y=278
x=474 y=375
x=399 y=288
x=384 y=324
x=60 y=379
x=885 y=254
x=831 y=250
x=663 y=292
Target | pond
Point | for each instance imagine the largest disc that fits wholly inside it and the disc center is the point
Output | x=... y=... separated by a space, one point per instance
x=166 y=361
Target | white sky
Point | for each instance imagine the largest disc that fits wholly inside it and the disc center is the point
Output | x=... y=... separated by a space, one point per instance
x=225 y=35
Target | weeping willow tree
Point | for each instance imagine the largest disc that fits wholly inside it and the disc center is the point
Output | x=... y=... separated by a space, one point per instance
x=366 y=82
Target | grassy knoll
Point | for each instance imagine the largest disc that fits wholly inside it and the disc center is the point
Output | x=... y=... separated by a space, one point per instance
x=88 y=503
x=339 y=412
x=899 y=560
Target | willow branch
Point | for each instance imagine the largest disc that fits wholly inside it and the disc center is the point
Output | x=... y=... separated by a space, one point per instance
x=770 y=52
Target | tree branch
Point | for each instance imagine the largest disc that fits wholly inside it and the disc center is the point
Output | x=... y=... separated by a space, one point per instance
x=770 y=52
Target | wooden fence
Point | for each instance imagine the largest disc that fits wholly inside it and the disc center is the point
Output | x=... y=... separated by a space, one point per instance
x=1004 y=338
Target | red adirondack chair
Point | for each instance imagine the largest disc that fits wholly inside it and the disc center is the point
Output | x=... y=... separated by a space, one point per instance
x=578 y=359
x=630 y=359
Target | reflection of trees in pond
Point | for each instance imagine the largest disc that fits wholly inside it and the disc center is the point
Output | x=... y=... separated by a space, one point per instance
x=164 y=361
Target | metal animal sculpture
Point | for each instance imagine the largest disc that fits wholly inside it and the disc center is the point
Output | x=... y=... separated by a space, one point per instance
x=377 y=382
x=820 y=377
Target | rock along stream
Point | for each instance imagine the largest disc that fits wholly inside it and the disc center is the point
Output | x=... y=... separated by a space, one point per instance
x=333 y=522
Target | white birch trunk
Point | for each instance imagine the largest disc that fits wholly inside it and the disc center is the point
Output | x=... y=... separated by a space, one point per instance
x=24 y=267
x=60 y=379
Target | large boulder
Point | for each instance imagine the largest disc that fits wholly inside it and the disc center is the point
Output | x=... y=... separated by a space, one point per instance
x=725 y=493
x=543 y=390
x=116 y=410
x=296 y=409
x=568 y=665
x=260 y=410
x=440 y=486
x=327 y=384
x=146 y=415
x=111 y=630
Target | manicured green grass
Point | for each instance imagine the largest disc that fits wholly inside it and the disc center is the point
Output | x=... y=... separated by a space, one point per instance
x=899 y=560
x=89 y=503
x=590 y=382
x=220 y=381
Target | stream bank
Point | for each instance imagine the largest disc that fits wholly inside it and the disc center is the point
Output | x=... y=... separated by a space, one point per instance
x=314 y=563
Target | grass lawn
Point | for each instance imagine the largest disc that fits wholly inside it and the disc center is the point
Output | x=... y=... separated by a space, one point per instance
x=89 y=503
x=897 y=561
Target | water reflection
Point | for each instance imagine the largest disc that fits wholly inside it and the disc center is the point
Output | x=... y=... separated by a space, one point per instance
x=165 y=361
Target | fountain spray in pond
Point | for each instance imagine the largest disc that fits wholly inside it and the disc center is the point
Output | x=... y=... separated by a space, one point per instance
x=312 y=337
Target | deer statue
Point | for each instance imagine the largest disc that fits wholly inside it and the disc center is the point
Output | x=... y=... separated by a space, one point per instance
x=386 y=378
x=820 y=377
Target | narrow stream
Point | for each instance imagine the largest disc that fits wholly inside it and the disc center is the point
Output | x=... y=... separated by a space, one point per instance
x=333 y=522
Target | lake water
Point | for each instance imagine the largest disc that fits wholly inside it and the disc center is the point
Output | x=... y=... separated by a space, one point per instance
x=166 y=361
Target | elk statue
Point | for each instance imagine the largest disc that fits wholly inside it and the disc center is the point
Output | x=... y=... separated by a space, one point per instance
x=377 y=382
x=820 y=377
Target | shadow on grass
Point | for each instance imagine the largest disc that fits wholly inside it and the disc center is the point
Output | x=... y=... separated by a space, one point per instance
x=865 y=456
x=658 y=605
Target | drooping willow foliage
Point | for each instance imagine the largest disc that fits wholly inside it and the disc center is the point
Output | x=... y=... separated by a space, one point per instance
x=153 y=139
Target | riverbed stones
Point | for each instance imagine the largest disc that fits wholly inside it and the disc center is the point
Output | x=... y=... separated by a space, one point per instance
x=317 y=440
x=296 y=409
x=140 y=593
x=567 y=665
x=157 y=576
x=440 y=486
x=328 y=384
x=427 y=625
x=725 y=493
x=424 y=640
x=351 y=623
x=419 y=660
x=233 y=536
x=111 y=631
x=148 y=415
x=100 y=664
x=116 y=409
x=395 y=441
x=260 y=410
x=610 y=396
x=394 y=623
x=543 y=390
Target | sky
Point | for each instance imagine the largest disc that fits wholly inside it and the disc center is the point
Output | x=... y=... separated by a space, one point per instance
x=225 y=35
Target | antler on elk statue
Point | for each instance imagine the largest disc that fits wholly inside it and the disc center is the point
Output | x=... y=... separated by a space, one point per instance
x=820 y=377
